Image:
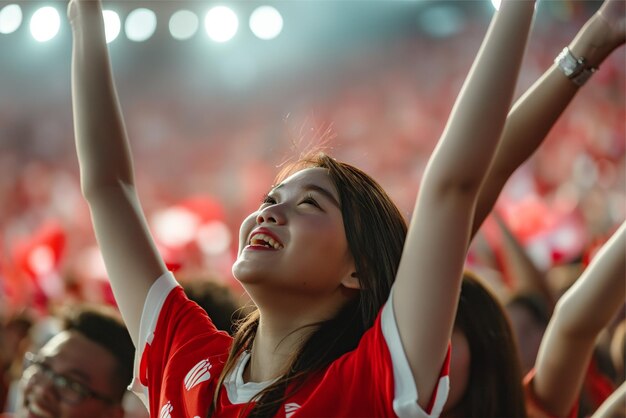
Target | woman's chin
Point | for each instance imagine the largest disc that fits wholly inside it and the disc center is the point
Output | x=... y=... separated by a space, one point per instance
x=247 y=273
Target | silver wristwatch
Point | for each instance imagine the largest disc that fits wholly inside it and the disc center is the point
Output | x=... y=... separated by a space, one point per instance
x=576 y=69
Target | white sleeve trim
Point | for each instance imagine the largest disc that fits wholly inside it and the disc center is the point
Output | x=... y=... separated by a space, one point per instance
x=405 y=392
x=151 y=309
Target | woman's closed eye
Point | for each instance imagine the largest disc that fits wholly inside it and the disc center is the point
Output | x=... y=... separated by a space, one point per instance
x=310 y=200
x=267 y=200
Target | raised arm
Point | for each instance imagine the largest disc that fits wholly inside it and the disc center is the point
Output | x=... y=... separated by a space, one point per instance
x=426 y=291
x=106 y=171
x=614 y=406
x=581 y=313
x=526 y=275
x=534 y=114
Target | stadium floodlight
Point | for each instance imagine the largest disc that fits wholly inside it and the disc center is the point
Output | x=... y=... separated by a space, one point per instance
x=221 y=23
x=183 y=24
x=140 y=25
x=112 y=25
x=266 y=22
x=45 y=24
x=10 y=18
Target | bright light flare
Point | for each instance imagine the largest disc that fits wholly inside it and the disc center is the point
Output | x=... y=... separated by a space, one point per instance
x=140 y=25
x=45 y=24
x=496 y=4
x=112 y=25
x=214 y=238
x=221 y=23
x=175 y=227
x=266 y=22
x=183 y=25
x=10 y=18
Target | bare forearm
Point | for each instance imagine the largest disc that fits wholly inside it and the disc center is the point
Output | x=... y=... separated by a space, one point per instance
x=101 y=142
x=537 y=110
x=130 y=255
x=597 y=295
x=527 y=276
x=475 y=125
x=580 y=315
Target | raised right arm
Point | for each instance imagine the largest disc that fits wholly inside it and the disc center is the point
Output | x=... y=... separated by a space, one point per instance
x=106 y=172
x=537 y=110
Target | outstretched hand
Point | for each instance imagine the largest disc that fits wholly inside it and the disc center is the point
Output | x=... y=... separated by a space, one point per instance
x=72 y=10
x=77 y=8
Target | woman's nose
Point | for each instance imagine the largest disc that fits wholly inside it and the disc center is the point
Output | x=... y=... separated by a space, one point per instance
x=271 y=214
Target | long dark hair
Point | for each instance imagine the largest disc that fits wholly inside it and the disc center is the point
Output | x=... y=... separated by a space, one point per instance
x=375 y=231
x=494 y=387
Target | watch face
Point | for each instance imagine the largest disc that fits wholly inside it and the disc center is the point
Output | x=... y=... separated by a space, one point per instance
x=573 y=68
x=567 y=64
x=569 y=67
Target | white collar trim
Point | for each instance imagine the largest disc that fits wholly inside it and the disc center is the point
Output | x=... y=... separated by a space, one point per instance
x=239 y=392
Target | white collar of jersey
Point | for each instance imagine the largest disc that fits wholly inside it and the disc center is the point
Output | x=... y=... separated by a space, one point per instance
x=239 y=392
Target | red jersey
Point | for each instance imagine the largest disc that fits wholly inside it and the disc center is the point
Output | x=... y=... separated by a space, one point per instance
x=182 y=354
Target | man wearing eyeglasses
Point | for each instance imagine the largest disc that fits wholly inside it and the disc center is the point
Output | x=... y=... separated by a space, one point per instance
x=82 y=372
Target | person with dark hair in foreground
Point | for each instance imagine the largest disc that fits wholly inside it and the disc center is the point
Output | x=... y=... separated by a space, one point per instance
x=217 y=299
x=81 y=372
x=485 y=370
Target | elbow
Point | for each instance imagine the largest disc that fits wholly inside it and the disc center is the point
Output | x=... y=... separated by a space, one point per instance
x=460 y=181
x=455 y=183
x=573 y=323
x=462 y=188
x=93 y=190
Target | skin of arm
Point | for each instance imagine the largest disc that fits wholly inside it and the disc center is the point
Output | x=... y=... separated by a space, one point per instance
x=536 y=111
x=428 y=281
x=581 y=313
x=614 y=406
x=527 y=277
x=106 y=171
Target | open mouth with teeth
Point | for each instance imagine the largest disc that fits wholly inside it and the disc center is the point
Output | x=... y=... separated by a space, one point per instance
x=265 y=241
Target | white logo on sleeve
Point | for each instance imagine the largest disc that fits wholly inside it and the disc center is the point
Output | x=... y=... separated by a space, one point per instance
x=166 y=410
x=290 y=409
x=198 y=374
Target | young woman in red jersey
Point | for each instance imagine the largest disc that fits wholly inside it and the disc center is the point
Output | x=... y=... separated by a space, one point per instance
x=353 y=319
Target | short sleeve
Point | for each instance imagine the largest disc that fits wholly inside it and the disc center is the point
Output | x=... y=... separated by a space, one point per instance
x=373 y=380
x=405 y=392
x=180 y=353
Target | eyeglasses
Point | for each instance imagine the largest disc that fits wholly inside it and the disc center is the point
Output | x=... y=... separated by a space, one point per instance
x=68 y=389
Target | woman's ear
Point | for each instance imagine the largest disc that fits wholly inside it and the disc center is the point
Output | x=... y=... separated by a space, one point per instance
x=352 y=281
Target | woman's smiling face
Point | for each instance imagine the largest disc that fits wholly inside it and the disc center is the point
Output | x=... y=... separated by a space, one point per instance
x=296 y=240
